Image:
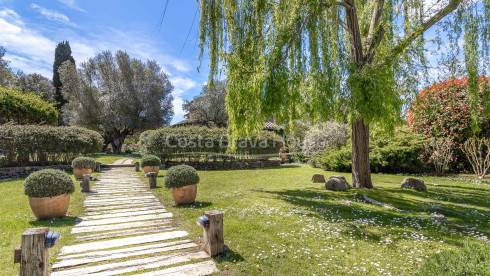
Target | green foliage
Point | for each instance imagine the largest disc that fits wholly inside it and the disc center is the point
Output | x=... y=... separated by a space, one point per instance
x=180 y=176
x=445 y=110
x=397 y=153
x=83 y=163
x=25 y=108
x=48 y=183
x=170 y=142
x=62 y=53
x=150 y=160
x=46 y=144
x=472 y=259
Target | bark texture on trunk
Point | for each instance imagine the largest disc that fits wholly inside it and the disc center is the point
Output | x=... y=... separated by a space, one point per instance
x=361 y=171
x=117 y=143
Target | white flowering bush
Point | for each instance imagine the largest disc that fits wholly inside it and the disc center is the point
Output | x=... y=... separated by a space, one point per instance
x=327 y=134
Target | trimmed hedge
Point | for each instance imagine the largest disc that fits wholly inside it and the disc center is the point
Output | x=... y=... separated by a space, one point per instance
x=180 y=176
x=48 y=183
x=195 y=142
x=25 y=108
x=83 y=163
x=23 y=144
x=151 y=160
x=395 y=154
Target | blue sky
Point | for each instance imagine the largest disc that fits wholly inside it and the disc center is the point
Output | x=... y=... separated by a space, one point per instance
x=30 y=30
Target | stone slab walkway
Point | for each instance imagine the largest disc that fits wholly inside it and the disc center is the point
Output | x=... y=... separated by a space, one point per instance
x=123 y=161
x=126 y=230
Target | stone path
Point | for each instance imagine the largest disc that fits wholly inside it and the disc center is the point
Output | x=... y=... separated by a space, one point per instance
x=123 y=161
x=126 y=230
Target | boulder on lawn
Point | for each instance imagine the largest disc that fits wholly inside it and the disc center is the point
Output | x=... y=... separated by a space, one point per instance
x=413 y=183
x=318 y=178
x=337 y=183
x=339 y=177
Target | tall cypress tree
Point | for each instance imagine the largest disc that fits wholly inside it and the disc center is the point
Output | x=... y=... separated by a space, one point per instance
x=61 y=54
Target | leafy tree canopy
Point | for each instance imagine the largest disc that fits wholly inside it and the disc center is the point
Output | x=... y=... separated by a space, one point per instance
x=38 y=84
x=116 y=95
x=352 y=60
x=209 y=108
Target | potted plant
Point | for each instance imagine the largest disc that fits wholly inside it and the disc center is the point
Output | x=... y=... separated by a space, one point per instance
x=151 y=163
x=49 y=193
x=182 y=180
x=82 y=165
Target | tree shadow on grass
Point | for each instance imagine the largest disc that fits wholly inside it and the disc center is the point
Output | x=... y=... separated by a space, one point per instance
x=195 y=205
x=56 y=222
x=315 y=201
x=229 y=256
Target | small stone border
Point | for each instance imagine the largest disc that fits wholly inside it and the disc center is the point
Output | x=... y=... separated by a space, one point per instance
x=232 y=165
x=16 y=172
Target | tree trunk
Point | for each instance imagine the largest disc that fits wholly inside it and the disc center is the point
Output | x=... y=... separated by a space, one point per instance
x=361 y=171
x=117 y=143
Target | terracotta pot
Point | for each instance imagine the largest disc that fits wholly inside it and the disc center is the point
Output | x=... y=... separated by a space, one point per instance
x=185 y=195
x=148 y=169
x=78 y=173
x=50 y=207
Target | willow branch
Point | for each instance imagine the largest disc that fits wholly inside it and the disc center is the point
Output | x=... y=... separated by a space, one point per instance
x=378 y=11
x=409 y=38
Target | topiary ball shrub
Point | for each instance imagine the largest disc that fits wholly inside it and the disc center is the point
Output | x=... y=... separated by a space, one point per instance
x=150 y=160
x=83 y=163
x=180 y=176
x=48 y=183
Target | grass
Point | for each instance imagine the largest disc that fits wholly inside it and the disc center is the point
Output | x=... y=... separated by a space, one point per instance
x=111 y=158
x=276 y=222
x=16 y=217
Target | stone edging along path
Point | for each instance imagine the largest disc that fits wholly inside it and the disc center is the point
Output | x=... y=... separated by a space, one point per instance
x=126 y=229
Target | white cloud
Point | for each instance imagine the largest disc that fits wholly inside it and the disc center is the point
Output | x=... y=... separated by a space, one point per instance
x=181 y=84
x=23 y=42
x=72 y=4
x=51 y=15
x=178 y=111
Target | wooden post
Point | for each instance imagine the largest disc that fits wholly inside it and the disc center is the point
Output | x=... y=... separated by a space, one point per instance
x=34 y=255
x=214 y=243
x=86 y=183
x=137 y=166
x=152 y=178
x=97 y=166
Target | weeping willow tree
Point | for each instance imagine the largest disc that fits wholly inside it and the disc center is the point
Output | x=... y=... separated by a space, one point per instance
x=349 y=60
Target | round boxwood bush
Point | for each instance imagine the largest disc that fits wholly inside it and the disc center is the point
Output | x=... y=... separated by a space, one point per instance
x=48 y=183
x=150 y=160
x=83 y=163
x=180 y=176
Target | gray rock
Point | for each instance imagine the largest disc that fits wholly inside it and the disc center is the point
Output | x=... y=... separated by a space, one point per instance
x=337 y=184
x=339 y=177
x=318 y=178
x=413 y=183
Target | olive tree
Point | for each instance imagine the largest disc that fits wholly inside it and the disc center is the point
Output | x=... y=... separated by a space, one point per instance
x=332 y=59
x=116 y=95
x=209 y=108
x=36 y=83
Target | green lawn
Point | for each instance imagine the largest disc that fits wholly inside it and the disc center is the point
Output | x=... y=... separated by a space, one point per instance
x=111 y=158
x=277 y=222
x=16 y=217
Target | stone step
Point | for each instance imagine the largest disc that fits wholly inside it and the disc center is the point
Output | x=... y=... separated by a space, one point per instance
x=70 y=249
x=94 y=213
x=100 y=228
x=108 y=203
x=123 y=219
x=93 y=259
x=134 y=265
x=194 y=269
x=117 y=234
x=117 y=207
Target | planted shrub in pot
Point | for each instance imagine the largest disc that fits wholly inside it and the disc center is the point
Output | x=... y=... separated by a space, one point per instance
x=151 y=163
x=82 y=165
x=49 y=193
x=182 y=181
